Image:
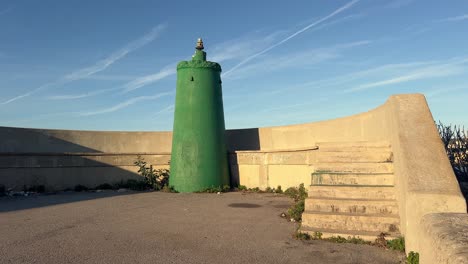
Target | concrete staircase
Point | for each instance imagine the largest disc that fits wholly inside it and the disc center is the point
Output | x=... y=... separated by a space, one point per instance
x=352 y=192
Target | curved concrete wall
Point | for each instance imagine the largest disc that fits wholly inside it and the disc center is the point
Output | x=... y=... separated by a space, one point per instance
x=424 y=178
x=25 y=140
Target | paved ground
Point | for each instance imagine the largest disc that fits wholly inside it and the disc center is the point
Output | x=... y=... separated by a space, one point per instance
x=163 y=228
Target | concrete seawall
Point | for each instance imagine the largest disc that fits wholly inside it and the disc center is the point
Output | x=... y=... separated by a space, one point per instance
x=259 y=157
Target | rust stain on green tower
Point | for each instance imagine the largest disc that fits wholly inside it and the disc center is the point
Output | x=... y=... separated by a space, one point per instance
x=199 y=157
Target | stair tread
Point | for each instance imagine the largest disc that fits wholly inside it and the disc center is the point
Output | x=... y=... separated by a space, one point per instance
x=385 y=150
x=352 y=214
x=361 y=143
x=352 y=173
x=355 y=162
x=350 y=199
x=350 y=232
x=353 y=185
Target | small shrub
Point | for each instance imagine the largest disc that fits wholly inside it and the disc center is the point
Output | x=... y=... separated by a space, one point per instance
x=302 y=236
x=136 y=185
x=397 y=244
x=104 y=186
x=317 y=235
x=296 y=210
x=34 y=188
x=168 y=189
x=291 y=192
x=2 y=190
x=120 y=184
x=380 y=241
x=40 y=189
x=278 y=189
x=256 y=189
x=154 y=178
x=80 y=188
x=216 y=189
x=299 y=195
x=351 y=240
x=211 y=190
x=337 y=239
x=357 y=240
x=242 y=188
x=268 y=189
x=412 y=258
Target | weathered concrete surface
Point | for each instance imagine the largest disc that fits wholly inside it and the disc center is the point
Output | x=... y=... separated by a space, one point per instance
x=446 y=237
x=424 y=179
x=163 y=228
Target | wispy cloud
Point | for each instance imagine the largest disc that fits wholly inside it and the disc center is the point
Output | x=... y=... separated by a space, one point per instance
x=455 y=18
x=445 y=90
x=296 y=59
x=148 y=79
x=110 y=77
x=243 y=47
x=453 y=67
x=78 y=96
x=124 y=104
x=334 y=13
x=389 y=74
x=98 y=66
x=103 y=64
x=398 y=3
x=167 y=109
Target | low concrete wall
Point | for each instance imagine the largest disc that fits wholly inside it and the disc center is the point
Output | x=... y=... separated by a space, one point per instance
x=260 y=157
x=424 y=177
x=59 y=171
x=263 y=169
x=445 y=238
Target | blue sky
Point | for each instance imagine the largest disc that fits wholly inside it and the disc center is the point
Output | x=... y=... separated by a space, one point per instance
x=110 y=65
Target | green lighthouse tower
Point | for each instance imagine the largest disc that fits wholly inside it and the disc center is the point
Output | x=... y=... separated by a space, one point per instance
x=199 y=157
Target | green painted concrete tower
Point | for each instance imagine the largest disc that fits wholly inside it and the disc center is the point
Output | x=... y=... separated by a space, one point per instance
x=199 y=157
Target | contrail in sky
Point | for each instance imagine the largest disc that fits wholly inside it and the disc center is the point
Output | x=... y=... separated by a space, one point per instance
x=339 y=10
x=125 y=104
x=98 y=66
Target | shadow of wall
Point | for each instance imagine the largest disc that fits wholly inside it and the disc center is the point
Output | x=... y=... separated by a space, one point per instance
x=35 y=157
x=240 y=140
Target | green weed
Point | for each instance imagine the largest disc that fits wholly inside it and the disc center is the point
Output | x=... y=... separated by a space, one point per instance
x=412 y=258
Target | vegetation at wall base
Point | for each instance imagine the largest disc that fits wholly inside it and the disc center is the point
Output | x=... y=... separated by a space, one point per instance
x=168 y=189
x=397 y=244
x=104 y=186
x=278 y=189
x=412 y=258
x=153 y=178
x=216 y=189
x=242 y=188
x=380 y=241
x=299 y=194
x=80 y=188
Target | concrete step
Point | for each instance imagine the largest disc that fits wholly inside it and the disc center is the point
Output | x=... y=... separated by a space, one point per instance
x=351 y=206
x=353 y=146
x=349 y=156
x=345 y=221
x=353 y=179
x=352 y=192
x=360 y=167
x=365 y=235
